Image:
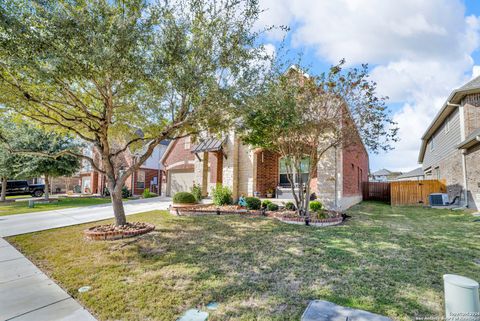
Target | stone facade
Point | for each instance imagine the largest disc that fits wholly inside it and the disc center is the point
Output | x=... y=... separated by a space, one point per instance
x=472 y=159
x=337 y=181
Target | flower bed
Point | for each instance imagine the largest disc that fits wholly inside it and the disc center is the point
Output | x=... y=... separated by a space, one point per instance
x=286 y=216
x=206 y=209
x=112 y=232
x=292 y=218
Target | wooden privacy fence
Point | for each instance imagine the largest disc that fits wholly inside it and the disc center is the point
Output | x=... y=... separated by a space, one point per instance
x=415 y=192
x=376 y=191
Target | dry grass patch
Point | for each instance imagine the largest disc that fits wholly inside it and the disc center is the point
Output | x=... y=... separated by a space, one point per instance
x=385 y=260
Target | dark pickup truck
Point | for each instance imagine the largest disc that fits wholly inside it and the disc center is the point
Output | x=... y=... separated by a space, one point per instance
x=23 y=188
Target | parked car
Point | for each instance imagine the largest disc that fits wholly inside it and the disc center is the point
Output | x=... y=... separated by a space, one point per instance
x=23 y=188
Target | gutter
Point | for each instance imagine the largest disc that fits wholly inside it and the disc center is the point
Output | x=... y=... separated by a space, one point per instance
x=464 y=161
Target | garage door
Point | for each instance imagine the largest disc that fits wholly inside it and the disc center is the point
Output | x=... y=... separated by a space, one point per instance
x=180 y=181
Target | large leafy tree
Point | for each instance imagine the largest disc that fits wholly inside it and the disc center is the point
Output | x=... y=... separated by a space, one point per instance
x=303 y=117
x=124 y=75
x=25 y=152
x=7 y=169
x=32 y=143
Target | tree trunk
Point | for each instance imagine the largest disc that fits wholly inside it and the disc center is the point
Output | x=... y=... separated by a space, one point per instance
x=4 y=189
x=47 y=188
x=117 y=202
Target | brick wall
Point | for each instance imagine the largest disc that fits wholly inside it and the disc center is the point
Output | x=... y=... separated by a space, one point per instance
x=355 y=169
x=472 y=159
x=150 y=173
x=267 y=171
x=472 y=113
x=179 y=157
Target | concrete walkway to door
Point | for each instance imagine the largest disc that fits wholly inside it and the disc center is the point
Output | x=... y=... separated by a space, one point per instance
x=26 y=293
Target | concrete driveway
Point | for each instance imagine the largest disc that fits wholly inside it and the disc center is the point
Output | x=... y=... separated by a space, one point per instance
x=26 y=293
x=39 y=221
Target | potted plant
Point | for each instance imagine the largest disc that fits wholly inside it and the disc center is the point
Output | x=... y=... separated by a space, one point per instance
x=270 y=193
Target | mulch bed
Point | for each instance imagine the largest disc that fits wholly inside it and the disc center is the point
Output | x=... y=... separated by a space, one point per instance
x=332 y=218
x=113 y=232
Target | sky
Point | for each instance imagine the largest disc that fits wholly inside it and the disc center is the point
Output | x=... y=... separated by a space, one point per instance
x=418 y=52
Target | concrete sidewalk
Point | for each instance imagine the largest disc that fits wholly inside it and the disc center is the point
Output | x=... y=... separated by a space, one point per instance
x=26 y=293
x=39 y=221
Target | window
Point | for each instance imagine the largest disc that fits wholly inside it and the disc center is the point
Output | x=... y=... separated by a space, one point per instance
x=141 y=179
x=447 y=125
x=437 y=172
x=303 y=174
x=187 y=142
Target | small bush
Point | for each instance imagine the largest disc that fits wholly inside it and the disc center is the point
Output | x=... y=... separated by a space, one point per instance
x=253 y=203
x=320 y=215
x=265 y=203
x=197 y=192
x=290 y=206
x=222 y=195
x=316 y=206
x=272 y=207
x=147 y=194
x=184 y=198
x=126 y=192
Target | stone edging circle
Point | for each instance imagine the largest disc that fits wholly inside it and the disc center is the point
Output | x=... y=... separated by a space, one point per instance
x=115 y=235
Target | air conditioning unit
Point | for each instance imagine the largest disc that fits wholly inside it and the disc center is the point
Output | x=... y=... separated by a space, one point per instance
x=438 y=199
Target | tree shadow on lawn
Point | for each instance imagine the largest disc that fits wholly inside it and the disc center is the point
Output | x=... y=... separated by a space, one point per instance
x=262 y=269
x=385 y=260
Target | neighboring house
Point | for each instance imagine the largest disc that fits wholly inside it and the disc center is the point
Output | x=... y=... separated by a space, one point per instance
x=251 y=172
x=414 y=175
x=383 y=175
x=148 y=176
x=450 y=147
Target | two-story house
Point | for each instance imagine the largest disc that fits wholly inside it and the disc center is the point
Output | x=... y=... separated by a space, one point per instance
x=255 y=172
x=450 y=148
x=149 y=175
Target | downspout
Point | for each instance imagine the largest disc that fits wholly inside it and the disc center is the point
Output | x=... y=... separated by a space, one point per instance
x=463 y=151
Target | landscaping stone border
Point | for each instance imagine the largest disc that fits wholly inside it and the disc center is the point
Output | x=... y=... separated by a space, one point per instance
x=115 y=235
x=324 y=222
x=200 y=209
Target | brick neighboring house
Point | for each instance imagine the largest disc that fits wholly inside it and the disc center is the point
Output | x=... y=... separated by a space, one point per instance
x=247 y=171
x=450 y=147
x=148 y=176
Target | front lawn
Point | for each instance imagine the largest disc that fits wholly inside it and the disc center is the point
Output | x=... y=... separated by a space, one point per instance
x=385 y=260
x=21 y=207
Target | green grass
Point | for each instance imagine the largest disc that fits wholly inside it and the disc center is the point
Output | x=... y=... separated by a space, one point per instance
x=385 y=260
x=21 y=207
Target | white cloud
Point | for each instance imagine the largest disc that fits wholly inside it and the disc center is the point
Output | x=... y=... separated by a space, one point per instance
x=420 y=50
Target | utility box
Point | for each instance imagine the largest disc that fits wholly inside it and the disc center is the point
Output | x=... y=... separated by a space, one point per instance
x=461 y=298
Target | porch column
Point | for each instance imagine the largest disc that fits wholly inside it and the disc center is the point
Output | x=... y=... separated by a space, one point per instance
x=255 y=172
x=219 y=156
x=205 y=174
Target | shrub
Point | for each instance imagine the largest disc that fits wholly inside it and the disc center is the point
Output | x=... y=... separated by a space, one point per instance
x=320 y=215
x=272 y=207
x=197 y=192
x=126 y=192
x=184 y=198
x=222 y=195
x=265 y=203
x=290 y=206
x=253 y=203
x=316 y=206
x=147 y=194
